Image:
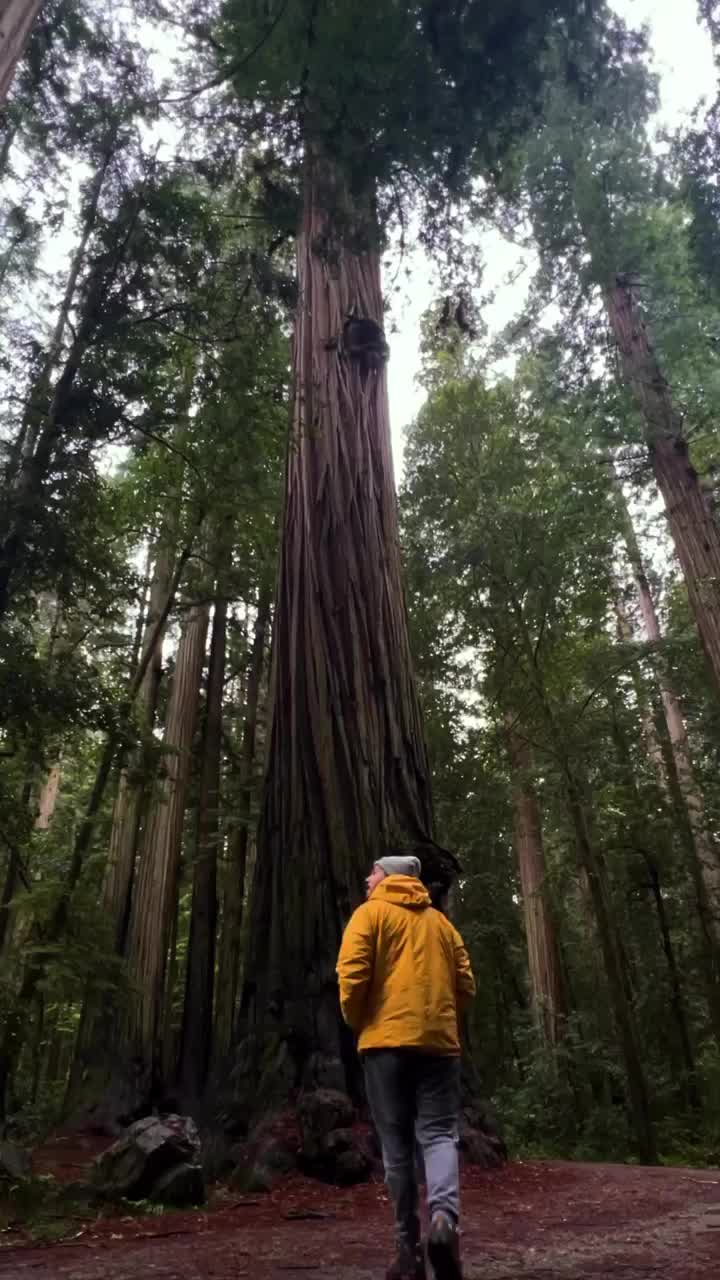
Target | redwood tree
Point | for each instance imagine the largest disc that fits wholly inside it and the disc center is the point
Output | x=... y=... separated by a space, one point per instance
x=591 y=193
x=358 y=98
x=544 y=968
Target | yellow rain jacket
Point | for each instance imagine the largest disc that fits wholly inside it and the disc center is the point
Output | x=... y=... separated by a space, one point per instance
x=404 y=972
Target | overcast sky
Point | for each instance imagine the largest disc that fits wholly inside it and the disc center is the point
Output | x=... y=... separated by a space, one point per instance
x=683 y=57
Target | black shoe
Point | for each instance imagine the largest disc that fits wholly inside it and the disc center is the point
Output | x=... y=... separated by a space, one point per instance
x=444 y=1248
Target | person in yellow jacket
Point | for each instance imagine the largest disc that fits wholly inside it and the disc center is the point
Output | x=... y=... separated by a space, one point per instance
x=405 y=978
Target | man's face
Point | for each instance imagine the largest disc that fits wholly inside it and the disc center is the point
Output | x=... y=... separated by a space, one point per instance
x=376 y=875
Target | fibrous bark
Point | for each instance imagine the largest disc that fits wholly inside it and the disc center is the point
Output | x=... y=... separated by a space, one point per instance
x=347 y=768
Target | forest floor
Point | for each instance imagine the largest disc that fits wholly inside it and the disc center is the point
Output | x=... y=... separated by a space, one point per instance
x=534 y=1220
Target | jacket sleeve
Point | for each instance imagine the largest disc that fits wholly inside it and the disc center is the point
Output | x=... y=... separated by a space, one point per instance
x=464 y=980
x=355 y=965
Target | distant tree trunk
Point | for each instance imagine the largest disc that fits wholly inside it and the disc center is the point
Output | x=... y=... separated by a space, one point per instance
x=11 y=1038
x=37 y=406
x=615 y=971
x=676 y=997
x=13 y=872
x=694 y=528
x=48 y=798
x=25 y=498
x=645 y=838
x=234 y=897
x=703 y=850
x=155 y=900
x=591 y=864
x=197 y=1026
x=16 y=22
x=546 y=985
x=10 y=132
x=347 y=767
x=132 y=784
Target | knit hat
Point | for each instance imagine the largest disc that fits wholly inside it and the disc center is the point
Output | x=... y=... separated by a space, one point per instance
x=397 y=866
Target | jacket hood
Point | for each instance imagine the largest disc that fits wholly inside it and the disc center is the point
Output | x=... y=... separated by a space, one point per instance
x=403 y=891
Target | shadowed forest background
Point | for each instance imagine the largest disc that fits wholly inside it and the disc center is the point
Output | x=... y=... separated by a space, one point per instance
x=233 y=668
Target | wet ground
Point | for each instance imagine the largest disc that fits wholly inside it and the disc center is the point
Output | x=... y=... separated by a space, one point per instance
x=535 y=1220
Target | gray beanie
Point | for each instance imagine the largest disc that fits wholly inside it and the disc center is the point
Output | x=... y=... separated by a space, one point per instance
x=397 y=866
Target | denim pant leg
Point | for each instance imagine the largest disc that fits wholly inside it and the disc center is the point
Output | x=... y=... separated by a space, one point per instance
x=389 y=1081
x=438 y=1106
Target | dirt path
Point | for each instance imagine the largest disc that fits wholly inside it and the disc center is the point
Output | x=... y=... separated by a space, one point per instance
x=535 y=1221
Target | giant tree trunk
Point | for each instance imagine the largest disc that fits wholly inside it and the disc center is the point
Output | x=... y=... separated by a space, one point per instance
x=546 y=985
x=347 y=768
x=155 y=900
x=236 y=875
x=198 y=1009
x=694 y=528
x=16 y=21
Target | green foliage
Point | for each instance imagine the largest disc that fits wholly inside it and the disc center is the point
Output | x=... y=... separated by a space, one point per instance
x=173 y=364
x=397 y=97
x=512 y=538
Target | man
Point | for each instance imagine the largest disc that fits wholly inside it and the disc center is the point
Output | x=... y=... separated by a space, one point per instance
x=404 y=978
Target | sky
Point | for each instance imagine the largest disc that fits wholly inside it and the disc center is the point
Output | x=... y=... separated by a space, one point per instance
x=683 y=58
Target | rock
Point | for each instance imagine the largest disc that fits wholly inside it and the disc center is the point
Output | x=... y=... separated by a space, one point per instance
x=346 y=1157
x=322 y=1111
x=182 y=1185
x=330 y=1148
x=351 y=1167
x=481 y=1142
x=341 y=1157
x=270 y=1152
x=277 y=1157
x=14 y=1163
x=149 y=1150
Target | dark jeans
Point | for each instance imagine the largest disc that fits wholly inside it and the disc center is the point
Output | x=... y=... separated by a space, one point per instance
x=416 y=1096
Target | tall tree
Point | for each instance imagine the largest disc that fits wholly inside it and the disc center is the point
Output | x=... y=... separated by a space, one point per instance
x=155 y=900
x=236 y=875
x=196 y=1044
x=347 y=769
x=483 y=472
x=546 y=983
x=596 y=208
